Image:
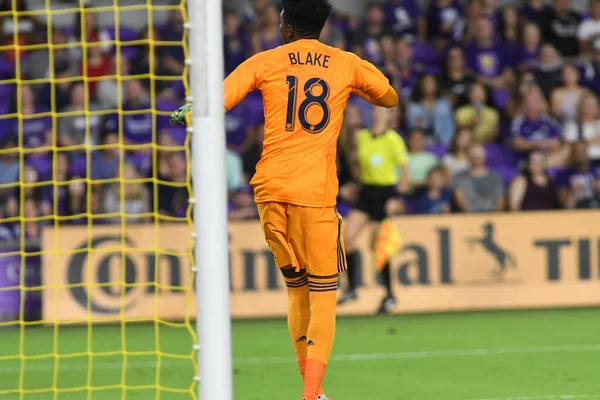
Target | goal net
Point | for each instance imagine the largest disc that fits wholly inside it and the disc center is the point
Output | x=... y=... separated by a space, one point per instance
x=96 y=281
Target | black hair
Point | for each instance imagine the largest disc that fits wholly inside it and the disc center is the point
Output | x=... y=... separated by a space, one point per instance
x=417 y=94
x=307 y=17
x=78 y=25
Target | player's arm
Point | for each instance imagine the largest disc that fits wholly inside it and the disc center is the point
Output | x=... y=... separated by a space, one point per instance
x=236 y=86
x=370 y=84
x=243 y=80
x=389 y=99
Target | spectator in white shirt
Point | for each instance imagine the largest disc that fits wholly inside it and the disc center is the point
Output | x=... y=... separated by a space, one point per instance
x=589 y=29
x=587 y=126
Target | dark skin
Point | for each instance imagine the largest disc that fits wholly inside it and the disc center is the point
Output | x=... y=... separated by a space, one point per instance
x=289 y=34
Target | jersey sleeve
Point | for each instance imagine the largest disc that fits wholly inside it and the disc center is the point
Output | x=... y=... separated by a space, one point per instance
x=243 y=80
x=368 y=79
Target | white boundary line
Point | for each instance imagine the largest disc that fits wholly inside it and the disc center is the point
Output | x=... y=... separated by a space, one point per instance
x=551 y=397
x=48 y=364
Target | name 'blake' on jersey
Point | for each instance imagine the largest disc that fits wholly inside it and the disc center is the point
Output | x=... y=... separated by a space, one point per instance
x=309 y=58
x=305 y=86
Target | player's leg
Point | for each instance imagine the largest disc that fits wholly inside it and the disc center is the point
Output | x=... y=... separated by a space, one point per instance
x=354 y=223
x=319 y=243
x=390 y=205
x=274 y=220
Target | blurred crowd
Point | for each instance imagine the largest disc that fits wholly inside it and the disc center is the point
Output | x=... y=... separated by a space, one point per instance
x=499 y=109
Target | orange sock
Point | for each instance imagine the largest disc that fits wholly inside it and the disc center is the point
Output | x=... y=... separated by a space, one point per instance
x=298 y=315
x=302 y=366
x=321 y=331
x=313 y=376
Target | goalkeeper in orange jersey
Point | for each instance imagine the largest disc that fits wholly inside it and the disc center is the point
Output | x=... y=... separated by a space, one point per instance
x=305 y=86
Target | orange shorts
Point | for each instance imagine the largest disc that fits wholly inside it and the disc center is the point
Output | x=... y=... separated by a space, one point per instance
x=304 y=237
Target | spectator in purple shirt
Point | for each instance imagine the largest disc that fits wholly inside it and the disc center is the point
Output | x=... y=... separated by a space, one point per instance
x=366 y=41
x=590 y=71
x=559 y=27
x=236 y=41
x=268 y=36
x=536 y=130
x=172 y=56
x=408 y=71
x=137 y=127
x=240 y=126
x=36 y=131
x=577 y=184
x=406 y=18
x=534 y=10
x=487 y=57
x=529 y=49
x=509 y=29
x=445 y=22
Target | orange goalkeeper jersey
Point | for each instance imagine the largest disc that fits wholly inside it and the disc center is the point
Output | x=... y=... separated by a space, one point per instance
x=305 y=86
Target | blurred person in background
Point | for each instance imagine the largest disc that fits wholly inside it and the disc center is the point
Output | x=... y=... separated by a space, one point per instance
x=36 y=64
x=36 y=131
x=366 y=40
x=445 y=22
x=407 y=71
x=590 y=70
x=456 y=161
x=430 y=112
x=589 y=29
x=146 y=62
x=255 y=12
x=173 y=200
x=436 y=198
x=533 y=10
x=109 y=93
x=586 y=127
x=514 y=106
x=536 y=130
x=477 y=116
x=479 y=189
x=456 y=80
x=529 y=48
x=533 y=189
x=420 y=161
x=509 y=29
x=172 y=57
x=9 y=171
x=488 y=58
x=547 y=70
x=332 y=35
x=381 y=153
x=97 y=39
x=137 y=128
x=105 y=162
x=80 y=128
x=61 y=85
x=577 y=183
x=564 y=100
x=134 y=195
x=406 y=18
x=559 y=26
x=237 y=43
x=29 y=29
x=239 y=194
x=268 y=36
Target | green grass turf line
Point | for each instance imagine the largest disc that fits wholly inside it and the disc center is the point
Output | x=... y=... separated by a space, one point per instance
x=567 y=370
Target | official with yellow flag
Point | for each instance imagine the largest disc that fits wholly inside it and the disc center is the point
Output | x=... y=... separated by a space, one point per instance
x=382 y=160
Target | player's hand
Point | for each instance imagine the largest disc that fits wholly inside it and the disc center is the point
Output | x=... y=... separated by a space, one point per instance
x=179 y=115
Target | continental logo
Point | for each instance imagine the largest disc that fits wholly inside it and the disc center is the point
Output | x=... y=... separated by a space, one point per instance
x=116 y=276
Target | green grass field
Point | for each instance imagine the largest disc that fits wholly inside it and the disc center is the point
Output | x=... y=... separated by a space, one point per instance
x=523 y=355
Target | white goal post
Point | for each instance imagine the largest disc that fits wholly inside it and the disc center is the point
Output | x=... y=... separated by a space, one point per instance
x=210 y=193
